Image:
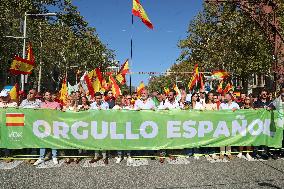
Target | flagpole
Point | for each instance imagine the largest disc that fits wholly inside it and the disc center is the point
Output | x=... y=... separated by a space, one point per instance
x=131 y=54
x=24 y=50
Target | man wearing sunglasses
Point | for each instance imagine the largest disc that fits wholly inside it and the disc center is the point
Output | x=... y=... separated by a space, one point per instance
x=261 y=152
x=263 y=101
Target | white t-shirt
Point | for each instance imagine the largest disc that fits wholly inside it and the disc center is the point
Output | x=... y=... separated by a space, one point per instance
x=226 y=106
x=188 y=98
x=104 y=106
x=168 y=105
x=147 y=105
x=198 y=106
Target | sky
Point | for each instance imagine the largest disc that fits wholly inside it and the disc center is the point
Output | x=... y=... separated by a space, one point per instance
x=153 y=50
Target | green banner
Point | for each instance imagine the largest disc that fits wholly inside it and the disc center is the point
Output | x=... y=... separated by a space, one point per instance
x=138 y=130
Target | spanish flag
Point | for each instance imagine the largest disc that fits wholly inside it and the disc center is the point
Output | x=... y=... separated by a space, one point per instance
x=220 y=88
x=15 y=119
x=228 y=87
x=166 y=90
x=14 y=92
x=140 y=88
x=220 y=74
x=139 y=11
x=194 y=78
x=63 y=92
x=30 y=57
x=120 y=77
x=97 y=85
x=96 y=73
x=114 y=87
x=178 y=92
x=21 y=66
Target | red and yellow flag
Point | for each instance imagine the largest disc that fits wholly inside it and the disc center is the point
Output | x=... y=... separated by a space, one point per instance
x=30 y=53
x=176 y=89
x=120 y=77
x=14 y=92
x=194 y=78
x=63 y=92
x=97 y=85
x=139 y=11
x=166 y=90
x=140 y=88
x=21 y=66
x=220 y=74
x=228 y=87
x=220 y=88
x=114 y=87
x=15 y=119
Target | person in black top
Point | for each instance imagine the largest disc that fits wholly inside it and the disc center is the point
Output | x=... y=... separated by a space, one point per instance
x=110 y=99
x=263 y=101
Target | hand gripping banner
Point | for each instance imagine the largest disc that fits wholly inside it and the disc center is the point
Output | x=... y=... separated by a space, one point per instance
x=138 y=130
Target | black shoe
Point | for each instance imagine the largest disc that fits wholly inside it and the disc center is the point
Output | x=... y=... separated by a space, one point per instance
x=257 y=156
x=265 y=156
x=95 y=160
x=105 y=161
x=275 y=156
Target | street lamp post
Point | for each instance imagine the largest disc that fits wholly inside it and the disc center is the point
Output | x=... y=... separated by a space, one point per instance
x=23 y=78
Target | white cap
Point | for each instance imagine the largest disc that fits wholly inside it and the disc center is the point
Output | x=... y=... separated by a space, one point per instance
x=4 y=93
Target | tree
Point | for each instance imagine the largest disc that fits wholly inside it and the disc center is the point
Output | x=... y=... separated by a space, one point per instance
x=224 y=37
x=61 y=44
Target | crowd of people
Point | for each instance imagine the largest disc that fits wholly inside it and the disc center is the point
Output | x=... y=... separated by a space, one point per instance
x=201 y=100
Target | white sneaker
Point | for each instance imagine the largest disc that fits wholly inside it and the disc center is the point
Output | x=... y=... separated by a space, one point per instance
x=214 y=156
x=249 y=158
x=240 y=155
x=55 y=161
x=118 y=160
x=39 y=161
x=196 y=157
x=129 y=160
x=208 y=158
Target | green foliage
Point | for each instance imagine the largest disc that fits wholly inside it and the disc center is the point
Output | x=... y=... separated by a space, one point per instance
x=224 y=38
x=61 y=44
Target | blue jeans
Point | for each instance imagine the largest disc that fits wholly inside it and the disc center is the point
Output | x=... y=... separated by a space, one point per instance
x=192 y=151
x=42 y=153
x=126 y=152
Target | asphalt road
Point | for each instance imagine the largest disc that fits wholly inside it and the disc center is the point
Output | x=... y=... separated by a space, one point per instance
x=238 y=173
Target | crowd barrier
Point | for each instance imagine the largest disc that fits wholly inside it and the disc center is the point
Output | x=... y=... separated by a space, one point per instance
x=138 y=130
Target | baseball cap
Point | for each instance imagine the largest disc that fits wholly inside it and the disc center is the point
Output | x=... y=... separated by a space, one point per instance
x=4 y=93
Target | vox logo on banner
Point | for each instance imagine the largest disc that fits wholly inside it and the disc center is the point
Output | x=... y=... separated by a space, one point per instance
x=15 y=119
x=15 y=123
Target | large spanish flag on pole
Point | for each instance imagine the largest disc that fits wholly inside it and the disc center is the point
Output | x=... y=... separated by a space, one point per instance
x=21 y=66
x=139 y=11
